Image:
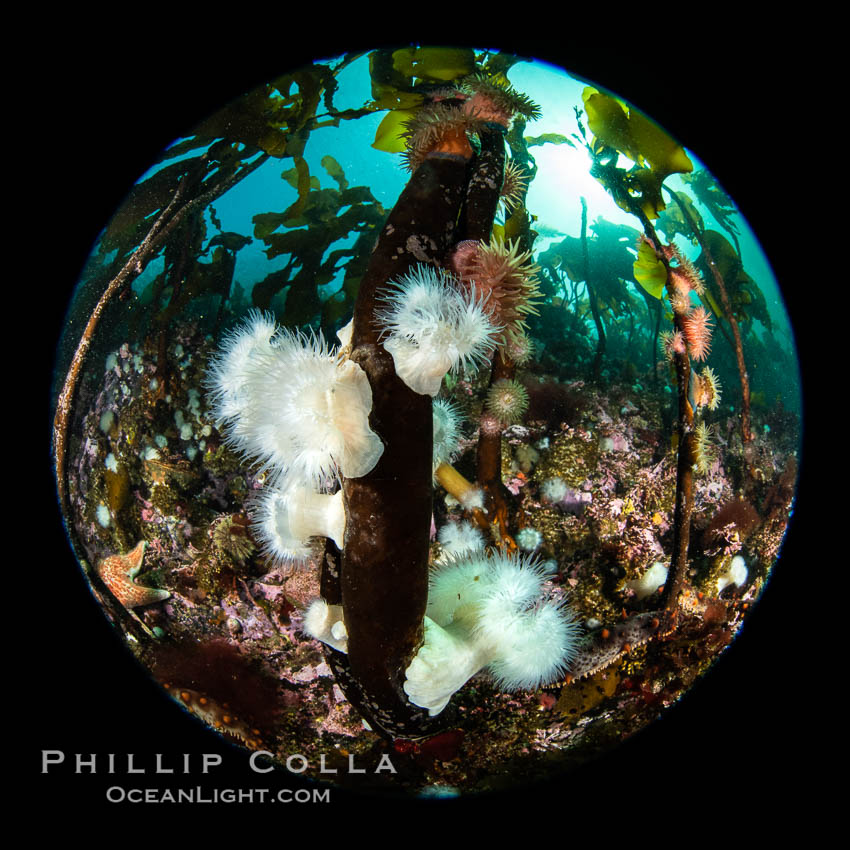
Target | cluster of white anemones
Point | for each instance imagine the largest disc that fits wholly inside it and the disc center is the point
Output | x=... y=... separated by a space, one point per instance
x=288 y=402
x=487 y=612
x=433 y=326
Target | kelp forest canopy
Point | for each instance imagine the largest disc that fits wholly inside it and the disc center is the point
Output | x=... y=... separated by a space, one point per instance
x=303 y=259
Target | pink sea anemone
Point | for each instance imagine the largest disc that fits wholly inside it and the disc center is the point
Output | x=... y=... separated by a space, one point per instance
x=672 y=342
x=504 y=278
x=493 y=100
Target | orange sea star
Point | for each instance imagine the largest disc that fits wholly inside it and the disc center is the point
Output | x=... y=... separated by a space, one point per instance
x=118 y=572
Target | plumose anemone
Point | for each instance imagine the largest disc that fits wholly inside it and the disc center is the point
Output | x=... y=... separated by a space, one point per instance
x=432 y=327
x=447 y=432
x=488 y=612
x=286 y=517
x=286 y=400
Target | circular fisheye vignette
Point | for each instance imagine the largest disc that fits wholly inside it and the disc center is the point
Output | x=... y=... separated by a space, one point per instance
x=415 y=430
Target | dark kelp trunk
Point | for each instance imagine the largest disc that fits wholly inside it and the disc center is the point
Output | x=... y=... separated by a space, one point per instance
x=384 y=565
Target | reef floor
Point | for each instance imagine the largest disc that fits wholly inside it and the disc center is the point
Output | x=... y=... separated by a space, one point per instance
x=148 y=464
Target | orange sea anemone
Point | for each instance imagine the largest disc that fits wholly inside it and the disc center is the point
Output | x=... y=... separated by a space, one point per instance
x=672 y=342
x=684 y=270
x=437 y=128
x=697 y=329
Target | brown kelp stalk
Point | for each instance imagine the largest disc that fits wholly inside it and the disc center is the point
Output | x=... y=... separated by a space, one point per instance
x=591 y=293
x=684 y=504
x=382 y=574
x=482 y=202
x=384 y=566
x=746 y=427
x=164 y=224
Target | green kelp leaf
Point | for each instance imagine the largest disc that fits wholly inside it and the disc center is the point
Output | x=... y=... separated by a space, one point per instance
x=266 y=223
x=656 y=154
x=257 y=119
x=273 y=142
x=614 y=236
x=337 y=308
x=359 y=195
x=548 y=139
x=664 y=154
x=516 y=224
x=322 y=207
x=649 y=271
x=388 y=137
x=434 y=63
x=231 y=241
x=567 y=255
x=648 y=187
x=608 y=120
x=715 y=307
x=745 y=297
x=265 y=290
x=631 y=133
x=390 y=88
x=711 y=195
x=673 y=222
x=292 y=177
x=334 y=169
x=291 y=242
x=134 y=217
x=182 y=147
x=303 y=184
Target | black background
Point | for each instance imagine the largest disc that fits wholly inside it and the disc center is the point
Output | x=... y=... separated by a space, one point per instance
x=104 y=108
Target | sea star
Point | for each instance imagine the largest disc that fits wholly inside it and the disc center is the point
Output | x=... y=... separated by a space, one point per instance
x=117 y=572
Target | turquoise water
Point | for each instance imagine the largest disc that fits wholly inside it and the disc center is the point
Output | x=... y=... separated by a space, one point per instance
x=563 y=177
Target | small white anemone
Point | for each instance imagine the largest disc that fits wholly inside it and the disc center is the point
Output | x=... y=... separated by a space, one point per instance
x=488 y=613
x=554 y=490
x=285 y=518
x=285 y=399
x=446 y=431
x=736 y=573
x=528 y=539
x=433 y=326
x=459 y=538
x=650 y=581
x=324 y=622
